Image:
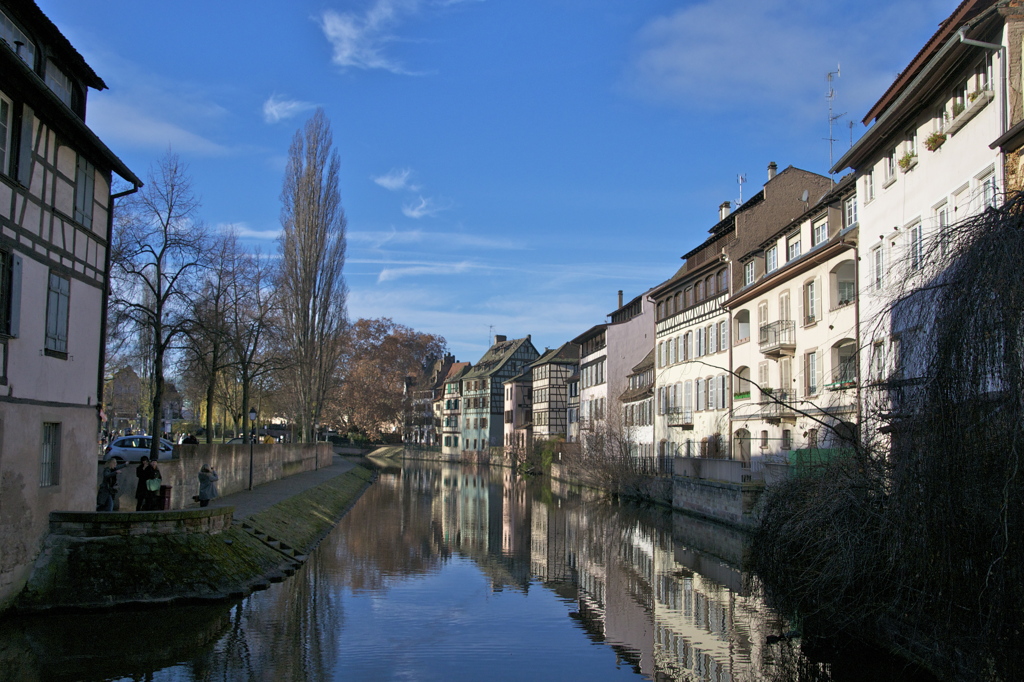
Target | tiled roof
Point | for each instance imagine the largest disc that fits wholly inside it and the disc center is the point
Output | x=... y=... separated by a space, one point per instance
x=496 y=357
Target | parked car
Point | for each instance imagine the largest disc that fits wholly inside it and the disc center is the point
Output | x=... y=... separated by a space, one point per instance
x=134 y=448
x=236 y=441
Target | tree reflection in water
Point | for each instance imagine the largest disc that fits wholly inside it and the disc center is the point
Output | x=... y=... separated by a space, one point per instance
x=459 y=572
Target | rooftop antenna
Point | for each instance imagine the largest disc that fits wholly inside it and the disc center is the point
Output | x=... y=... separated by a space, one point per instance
x=830 y=96
x=850 y=123
x=740 y=179
x=490 y=335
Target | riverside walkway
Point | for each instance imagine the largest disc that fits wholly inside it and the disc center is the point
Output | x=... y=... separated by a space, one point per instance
x=263 y=497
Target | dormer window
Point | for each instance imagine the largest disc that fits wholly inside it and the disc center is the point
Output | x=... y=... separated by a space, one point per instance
x=58 y=82
x=17 y=40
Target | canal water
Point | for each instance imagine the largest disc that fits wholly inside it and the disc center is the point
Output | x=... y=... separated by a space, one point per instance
x=446 y=572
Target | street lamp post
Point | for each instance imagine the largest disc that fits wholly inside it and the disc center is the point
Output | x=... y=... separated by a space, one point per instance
x=252 y=419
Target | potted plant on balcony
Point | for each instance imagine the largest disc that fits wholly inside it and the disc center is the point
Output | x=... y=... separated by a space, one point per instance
x=907 y=161
x=934 y=141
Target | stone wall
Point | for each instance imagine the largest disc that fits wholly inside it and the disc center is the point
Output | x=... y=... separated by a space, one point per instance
x=731 y=503
x=270 y=463
x=185 y=555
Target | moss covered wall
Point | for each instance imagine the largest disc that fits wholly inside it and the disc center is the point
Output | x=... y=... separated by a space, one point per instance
x=74 y=573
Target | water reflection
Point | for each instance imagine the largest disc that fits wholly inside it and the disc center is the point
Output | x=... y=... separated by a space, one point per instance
x=458 y=572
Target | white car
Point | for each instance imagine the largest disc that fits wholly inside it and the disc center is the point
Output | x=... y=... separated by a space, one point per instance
x=134 y=448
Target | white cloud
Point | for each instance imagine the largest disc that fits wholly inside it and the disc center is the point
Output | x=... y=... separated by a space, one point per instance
x=770 y=57
x=395 y=179
x=443 y=240
x=391 y=274
x=358 y=41
x=122 y=122
x=246 y=232
x=278 y=109
x=424 y=206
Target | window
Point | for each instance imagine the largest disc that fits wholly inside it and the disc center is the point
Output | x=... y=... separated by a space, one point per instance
x=483 y=422
x=85 y=177
x=812 y=372
x=723 y=281
x=712 y=393
x=13 y=35
x=850 y=211
x=878 y=361
x=57 y=315
x=10 y=294
x=49 y=464
x=748 y=273
x=787 y=439
x=6 y=111
x=742 y=326
x=764 y=440
x=819 y=232
x=987 y=187
x=709 y=286
x=792 y=247
x=915 y=245
x=58 y=82
x=811 y=302
x=700 y=291
x=844 y=283
x=889 y=164
x=878 y=268
x=941 y=223
x=869 y=186
x=723 y=335
x=771 y=259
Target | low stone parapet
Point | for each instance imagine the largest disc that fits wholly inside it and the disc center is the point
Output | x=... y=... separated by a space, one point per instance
x=105 y=524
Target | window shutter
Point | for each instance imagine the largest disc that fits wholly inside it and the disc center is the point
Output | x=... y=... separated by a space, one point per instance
x=713 y=342
x=712 y=395
x=819 y=369
x=723 y=334
x=25 y=147
x=688 y=396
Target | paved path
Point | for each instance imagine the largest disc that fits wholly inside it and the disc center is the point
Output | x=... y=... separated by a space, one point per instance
x=249 y=502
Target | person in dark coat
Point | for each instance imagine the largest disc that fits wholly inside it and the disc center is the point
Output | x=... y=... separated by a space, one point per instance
x=142 y=473
x=106 y=497
x=207 y=485
x=153 y=499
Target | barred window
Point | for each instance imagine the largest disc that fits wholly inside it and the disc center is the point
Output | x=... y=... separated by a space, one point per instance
x=49 y=465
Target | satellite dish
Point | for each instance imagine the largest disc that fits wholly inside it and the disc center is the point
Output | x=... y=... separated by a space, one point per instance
x=803 y=197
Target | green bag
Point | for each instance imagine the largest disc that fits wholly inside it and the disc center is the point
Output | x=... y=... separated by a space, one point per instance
x=153 y=485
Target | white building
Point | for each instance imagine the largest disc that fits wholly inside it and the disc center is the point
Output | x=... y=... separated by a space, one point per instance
x=693 y=352
x=929 y=160
x=795 y=336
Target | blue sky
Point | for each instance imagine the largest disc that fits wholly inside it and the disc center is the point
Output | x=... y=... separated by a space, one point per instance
x=505 y=163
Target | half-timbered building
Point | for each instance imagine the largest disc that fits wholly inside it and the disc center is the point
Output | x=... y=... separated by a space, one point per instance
x=56 y=207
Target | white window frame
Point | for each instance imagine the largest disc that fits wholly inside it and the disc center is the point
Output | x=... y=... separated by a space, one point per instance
x=850 y=211
x=915 y=245
x=771 y=259
x=878 y=267
x=748 y=273
x=819 y=232
x=792 y=247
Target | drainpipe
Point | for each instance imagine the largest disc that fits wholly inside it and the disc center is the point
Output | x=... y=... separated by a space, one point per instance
x=856 y=324
x=106 y=297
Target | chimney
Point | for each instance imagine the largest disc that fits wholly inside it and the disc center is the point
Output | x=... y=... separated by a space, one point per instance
x=773 y=168
x=724 y=210
x=620 y=298
x=500 y=338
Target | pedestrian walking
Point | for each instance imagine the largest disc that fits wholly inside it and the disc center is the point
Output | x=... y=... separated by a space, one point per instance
x=106 y=497
x=207 y=485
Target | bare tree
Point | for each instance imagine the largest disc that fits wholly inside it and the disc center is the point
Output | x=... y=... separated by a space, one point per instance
x=159 y=249
x=206 y=352
x=310 y=279
x=251 y=309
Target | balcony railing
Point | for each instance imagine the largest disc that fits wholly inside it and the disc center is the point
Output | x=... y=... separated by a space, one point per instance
x=776 y=403
x=778 y=338
x=845 y=376
x=680 y=416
